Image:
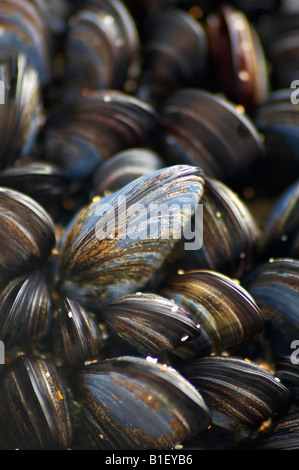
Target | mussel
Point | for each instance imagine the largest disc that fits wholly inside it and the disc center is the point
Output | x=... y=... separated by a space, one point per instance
x=79 y=136
x=27 y=234
x=34 y=406
x=114 y=246
x=230 y=235
x=240 y=394
x=153 y=324
x=225 y=311
x=133 y=403
x=274 y=286
x=102 y=48
x=205 y=129
x=281 y=231
x=24 y=31
x=169 y=64
x=42 y=181
x=26 y=310
x=21 y=109
x=237 y=56
x=77 y=336
x=124 y=167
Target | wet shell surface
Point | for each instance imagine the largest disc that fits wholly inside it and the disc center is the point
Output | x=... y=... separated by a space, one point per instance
x=240 y=394
x=225 y=311
x=204 y=129
x=103 y=257
x=34 y=409
x=136 y=403
x=153 y=324
x=27 y=234
x=26 y=310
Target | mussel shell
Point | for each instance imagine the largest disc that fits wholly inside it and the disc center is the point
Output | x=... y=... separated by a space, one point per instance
x=287 y=372
x=151 y=323
x=135 y=403
x=281 y=231
x=34 y=408
x=27 y=234
x=230 y=234
x=26 y=310
x=204 y=129
x=275 y=288
x=278 y=120
x=98 y=264
x=283 y=434
x=42 y=181
x=240 y=394
x=77 y=337
x=20 y=109
x=102 y=46
x=225 y=311
x=80 y=136
x=124 y=167
x=237 y=57
x=169 y=64
x=279 y=35
x=24 y=31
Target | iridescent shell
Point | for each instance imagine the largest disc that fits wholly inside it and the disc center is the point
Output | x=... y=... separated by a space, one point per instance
x=26 y=310
x=114 y=246
x=240 y=394
x=34 y=406
x=230 y=236
x=151 y=323
x=134 y=403
x=204 y=129
x=27 y=234
x=77 y=337
x=225 y=311
x=79 y=136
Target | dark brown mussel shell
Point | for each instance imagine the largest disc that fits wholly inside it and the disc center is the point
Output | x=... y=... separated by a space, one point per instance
x=27 y=234
x=137 y=403
x=225 y=311
x=123 y=168
x=26 y=310
x=237 y=57
x=240 y=394
x=278 y=120
x=34 y=406
x=79 y=136
x=229 y=234
x=24 y=31
x=275 y=287
x=77 y=336
x=169 y=64
x=282 y=435
x=102 y=47
x=279 y=35
x=42 y=181
x=204 y=129
x=20 y=109
x=287 y=371
x=281 y=230
x=153 y=324
x=114 y=246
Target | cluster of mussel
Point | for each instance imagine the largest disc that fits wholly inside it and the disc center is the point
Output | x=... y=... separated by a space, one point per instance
x=182 y=338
